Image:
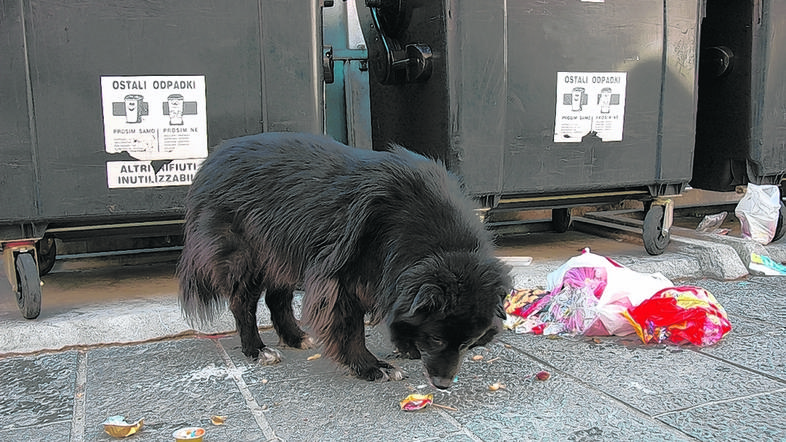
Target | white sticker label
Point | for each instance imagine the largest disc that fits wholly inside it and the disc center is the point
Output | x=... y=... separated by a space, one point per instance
x=160 y=121
x=125 y=174
x=590 y=103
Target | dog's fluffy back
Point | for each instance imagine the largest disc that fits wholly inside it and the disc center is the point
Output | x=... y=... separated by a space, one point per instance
x=280 y=210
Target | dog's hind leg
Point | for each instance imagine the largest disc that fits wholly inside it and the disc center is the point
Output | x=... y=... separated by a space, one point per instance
x=243 y=304
x=279 y=301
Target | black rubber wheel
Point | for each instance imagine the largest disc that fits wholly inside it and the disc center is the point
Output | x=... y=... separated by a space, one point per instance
x=655 y=239
x=28 y=292
x=560 y=220
x=781 y=229
x=47 y=252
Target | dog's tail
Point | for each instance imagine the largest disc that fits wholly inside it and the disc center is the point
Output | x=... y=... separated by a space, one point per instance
x=202 y=298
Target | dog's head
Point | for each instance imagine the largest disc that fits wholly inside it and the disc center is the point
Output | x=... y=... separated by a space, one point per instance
x=446 y=305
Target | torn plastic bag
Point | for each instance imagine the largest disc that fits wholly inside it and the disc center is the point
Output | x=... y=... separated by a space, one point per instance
x=758 y=212
x=680 y=315
x=589 y=293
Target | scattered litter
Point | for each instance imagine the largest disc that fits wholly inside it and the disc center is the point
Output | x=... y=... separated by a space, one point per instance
x=680 y=315
x=477 y=358
x=415 y=402
x=314 y=357
x=517 y=261
x=189 y=434
x=116 y=426
x=496 y=386
x=593 y=295
x=212 y=370
x=712 y=223
x=586 y=295
x=758 y=212
x=765 y=265
x=542 y=375
x=218 y=420
x=444 y=407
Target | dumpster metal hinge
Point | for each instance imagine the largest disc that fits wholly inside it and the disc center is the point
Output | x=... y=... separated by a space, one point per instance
x=327 y=64
x=408 y=63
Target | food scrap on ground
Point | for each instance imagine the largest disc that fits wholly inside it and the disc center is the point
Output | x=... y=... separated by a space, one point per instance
x=542 y=375
x=496 y=386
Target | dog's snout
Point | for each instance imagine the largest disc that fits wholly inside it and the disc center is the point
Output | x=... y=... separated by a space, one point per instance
x=441 y=383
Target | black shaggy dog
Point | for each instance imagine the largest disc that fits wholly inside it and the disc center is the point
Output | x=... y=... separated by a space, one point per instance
x=384 y=233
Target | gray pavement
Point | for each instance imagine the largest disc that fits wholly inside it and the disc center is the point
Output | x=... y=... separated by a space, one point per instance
x=110 y=341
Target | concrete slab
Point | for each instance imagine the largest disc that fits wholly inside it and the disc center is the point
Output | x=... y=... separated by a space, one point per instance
x=37 y=391
x=172 y=385
x=746 y=419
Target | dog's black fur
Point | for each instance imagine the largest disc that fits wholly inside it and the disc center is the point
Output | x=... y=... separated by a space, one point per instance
x=385 y=233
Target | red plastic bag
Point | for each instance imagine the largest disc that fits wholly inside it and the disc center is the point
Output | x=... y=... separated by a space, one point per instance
x=681 y=315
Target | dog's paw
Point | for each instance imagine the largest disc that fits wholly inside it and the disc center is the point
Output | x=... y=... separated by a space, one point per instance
x=382 y=372
x=411 y=353
x=268 y=356
x=396 y=374
x=308 y=343
x=304 y=343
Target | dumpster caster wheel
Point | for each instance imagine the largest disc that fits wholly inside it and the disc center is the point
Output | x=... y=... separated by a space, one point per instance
x=655 y=237
x=560 y=220
x=780 y=229
x=28 y=291
x=47 y=252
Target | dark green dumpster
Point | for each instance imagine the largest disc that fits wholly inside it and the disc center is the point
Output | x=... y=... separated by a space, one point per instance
x=108 y=107
x=741 y=121
x=542 y=104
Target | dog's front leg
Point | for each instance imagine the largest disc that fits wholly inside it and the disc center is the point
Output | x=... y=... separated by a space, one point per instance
x=345 y=342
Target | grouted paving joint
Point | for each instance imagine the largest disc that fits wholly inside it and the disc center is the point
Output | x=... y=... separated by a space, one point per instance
x=461 y=428
x=719 y=402
x=740 y=366
x=80 y=391
x=251 y=402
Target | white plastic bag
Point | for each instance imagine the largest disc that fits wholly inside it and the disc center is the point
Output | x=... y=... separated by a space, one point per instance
x=758 y=212
x=623 y=288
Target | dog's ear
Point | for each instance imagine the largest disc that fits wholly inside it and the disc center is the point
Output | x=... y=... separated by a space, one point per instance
x=428 y=299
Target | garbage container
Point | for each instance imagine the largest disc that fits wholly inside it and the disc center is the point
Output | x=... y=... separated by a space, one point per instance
x=107 y=109
x=741 y=118
x=741 y=122
x=542 y=104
